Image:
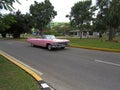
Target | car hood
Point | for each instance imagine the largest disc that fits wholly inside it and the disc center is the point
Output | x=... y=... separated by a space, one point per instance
x=60 y=40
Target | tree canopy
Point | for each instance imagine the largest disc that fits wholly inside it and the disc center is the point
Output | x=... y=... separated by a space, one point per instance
x=42 y=13
x=81 y=14
x=15 y=24
x=5 y=23
x=109 y=14
x=22 y=25
x=7 y=4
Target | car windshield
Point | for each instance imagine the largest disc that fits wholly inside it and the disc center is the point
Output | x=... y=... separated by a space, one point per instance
x=48 y=37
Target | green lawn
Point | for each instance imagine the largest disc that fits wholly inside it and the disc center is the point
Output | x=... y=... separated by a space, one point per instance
x=14 y=78
x=90 y=42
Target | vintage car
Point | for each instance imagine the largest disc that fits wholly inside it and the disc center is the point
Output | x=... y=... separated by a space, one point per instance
x=49 y=42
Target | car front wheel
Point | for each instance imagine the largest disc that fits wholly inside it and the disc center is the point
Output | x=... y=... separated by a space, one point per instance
x=49 y=47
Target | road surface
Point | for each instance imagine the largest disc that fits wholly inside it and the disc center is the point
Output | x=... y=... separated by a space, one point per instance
x=71 y=68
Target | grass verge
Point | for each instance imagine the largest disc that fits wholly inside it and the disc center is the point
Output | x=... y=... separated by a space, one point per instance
x=97 y=43
x=14 y=78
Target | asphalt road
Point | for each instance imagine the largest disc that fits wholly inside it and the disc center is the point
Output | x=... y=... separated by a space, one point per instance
x=69 y=69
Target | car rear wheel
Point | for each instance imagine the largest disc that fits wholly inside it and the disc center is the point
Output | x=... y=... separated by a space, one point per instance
x=62 y=47
x=49 y=47
x=32 y=45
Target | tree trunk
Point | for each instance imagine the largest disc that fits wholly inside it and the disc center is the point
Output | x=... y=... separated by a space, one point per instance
x=80 y=34
x=4 y=35
x=16 y=35
x=114 y=32
x=110 y=34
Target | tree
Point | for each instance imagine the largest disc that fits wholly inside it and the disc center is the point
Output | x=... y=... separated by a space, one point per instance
x=42 y=13
x=17 y=28
x=5 y=23
x=22 y=25
x=15 y=24
x=7 y=4
x=99 y=25
x=81 y=14
x=6 y=20
x=109 y=14
x=27 y=23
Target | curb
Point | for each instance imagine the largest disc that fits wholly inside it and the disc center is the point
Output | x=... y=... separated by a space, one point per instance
x=42 y=83
x=94 y=48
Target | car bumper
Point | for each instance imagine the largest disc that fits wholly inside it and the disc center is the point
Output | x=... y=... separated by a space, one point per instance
x=60 y=46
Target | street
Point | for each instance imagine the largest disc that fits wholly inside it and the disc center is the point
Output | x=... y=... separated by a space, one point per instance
x=71 y=68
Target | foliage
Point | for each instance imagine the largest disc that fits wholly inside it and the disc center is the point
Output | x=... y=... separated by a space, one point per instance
x=109 y=14
x=99 y=25
x=7 y=4
x=17 y=28
x=15 y=24
x=5 y=23
x=81 y=14
x=6 y=20
x=42 y=13
x=62 y=28
x=22 y=25
x=53 y=32
x=28 y=24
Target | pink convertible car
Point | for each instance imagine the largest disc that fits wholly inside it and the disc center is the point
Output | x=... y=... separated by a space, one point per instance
x=49 y=41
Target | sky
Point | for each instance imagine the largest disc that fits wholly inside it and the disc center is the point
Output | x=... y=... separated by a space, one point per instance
x=63 y=7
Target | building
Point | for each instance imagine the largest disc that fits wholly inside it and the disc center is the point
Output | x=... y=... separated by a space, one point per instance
x=85 y=34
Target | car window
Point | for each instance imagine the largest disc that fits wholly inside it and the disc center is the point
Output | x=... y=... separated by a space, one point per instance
x=48 y=37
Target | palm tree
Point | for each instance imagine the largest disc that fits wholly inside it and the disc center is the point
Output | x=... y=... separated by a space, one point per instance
x=7 y=4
